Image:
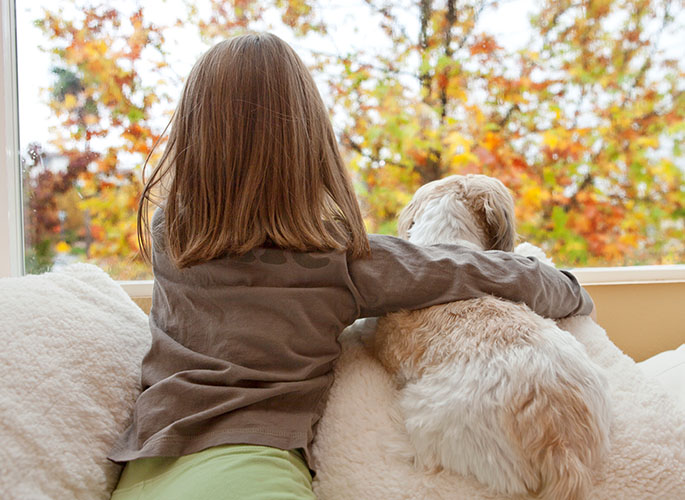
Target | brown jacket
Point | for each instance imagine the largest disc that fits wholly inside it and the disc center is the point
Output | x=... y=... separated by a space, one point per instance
x=243 y=348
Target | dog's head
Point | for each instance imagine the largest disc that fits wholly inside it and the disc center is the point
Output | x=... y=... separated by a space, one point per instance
x=476 y=209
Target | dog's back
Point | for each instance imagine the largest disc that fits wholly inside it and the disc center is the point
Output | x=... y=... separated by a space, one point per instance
x=490 y=389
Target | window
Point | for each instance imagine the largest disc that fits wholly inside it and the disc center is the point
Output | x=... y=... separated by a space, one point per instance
x=578 y=108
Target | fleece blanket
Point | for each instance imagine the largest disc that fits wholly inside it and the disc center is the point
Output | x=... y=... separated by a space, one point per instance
x=71 y=342
x=362 y=453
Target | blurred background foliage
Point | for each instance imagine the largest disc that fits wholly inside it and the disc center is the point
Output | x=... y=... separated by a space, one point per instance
x=585 y=124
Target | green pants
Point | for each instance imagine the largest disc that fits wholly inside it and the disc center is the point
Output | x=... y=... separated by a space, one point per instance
x=229 y=472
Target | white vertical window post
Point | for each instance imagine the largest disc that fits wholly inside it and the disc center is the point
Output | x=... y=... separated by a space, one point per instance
x=11 y=230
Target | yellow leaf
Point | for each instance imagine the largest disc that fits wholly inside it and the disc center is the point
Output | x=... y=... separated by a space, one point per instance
x=648 y=142
x=70 y=100
x=550 y=139
x=534 y=196
x=63 y=247
x=456 y=90
x=628 y=239
x=492 y=141
x=457 y=144
x=574 y=246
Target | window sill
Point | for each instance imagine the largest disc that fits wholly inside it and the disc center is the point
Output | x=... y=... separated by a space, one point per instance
x=588 y=276
x=137 y=289
x=633 y=275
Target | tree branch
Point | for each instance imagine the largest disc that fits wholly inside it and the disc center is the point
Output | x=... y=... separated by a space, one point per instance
x=425 y=13
x=346 y=140
x=451 y=18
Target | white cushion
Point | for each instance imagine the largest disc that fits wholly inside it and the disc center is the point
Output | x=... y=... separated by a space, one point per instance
x=71 y=346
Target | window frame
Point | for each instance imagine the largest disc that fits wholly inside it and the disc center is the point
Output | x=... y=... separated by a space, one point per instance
x=11 y=220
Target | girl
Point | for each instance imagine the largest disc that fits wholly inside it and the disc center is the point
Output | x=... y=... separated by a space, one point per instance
x=260 y=260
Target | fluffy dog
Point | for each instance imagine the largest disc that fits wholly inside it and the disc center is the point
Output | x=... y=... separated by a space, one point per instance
x=487 y=387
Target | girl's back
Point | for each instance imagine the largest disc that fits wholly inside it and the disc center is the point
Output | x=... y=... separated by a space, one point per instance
x=242 y=352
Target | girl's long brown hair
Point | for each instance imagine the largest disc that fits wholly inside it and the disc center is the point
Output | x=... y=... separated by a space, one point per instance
x=251 y=160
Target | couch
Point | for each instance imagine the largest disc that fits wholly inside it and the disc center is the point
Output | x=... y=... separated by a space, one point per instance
x=72 y=342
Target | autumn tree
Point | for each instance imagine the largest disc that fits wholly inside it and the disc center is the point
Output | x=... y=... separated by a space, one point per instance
x=584 y=124
x=107 y=129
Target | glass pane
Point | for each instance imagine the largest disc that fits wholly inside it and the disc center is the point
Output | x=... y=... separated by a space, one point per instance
x=577 y=107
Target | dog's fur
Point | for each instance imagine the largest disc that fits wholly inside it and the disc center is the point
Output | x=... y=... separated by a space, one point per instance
x=488 y=387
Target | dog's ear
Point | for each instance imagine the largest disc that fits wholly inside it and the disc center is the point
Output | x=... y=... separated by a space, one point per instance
x=407 y=217
x=491 y=199
x=418 y=203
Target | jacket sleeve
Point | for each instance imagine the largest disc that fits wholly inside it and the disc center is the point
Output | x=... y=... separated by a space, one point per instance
x=401 y=275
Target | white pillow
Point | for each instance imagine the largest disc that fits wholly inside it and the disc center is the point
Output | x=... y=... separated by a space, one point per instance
x=71 y=346
x=668 y=369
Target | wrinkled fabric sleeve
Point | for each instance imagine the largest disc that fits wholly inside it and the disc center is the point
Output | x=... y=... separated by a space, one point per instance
x=401 y=275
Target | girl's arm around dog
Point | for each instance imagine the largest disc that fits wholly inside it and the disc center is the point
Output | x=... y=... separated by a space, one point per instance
x=402 y=275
